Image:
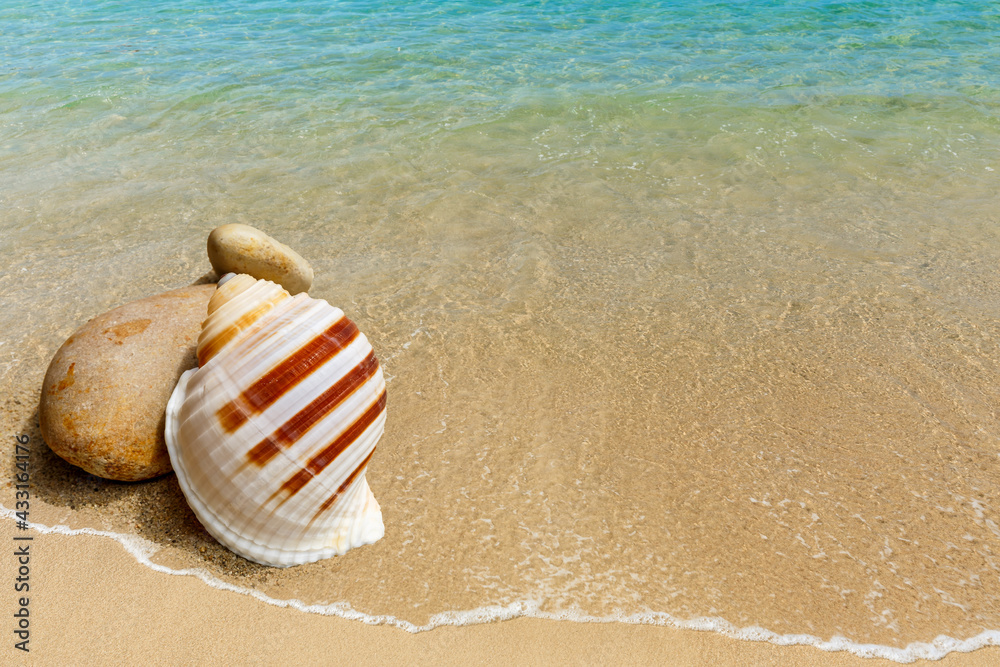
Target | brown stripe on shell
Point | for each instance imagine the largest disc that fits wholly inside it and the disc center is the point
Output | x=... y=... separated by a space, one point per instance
x=330 y=453
x=211 y=347
x=328 y=503
x=289 y=372
x=308 y=416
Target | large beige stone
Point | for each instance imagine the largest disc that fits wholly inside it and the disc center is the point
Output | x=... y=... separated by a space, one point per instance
x=236 y=248
x=104 y=395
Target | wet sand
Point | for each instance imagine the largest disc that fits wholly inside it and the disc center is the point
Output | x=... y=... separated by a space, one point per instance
x=603 y=404
x=701 y=324
x=93 y=603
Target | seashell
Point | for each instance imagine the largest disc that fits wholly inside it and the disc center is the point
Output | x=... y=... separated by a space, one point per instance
x=271 y=435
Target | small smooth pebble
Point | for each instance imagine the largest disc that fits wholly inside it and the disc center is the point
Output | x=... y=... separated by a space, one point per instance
x=237 y=248
x=107 y=387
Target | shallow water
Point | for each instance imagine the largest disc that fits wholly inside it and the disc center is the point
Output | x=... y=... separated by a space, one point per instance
x=684 y=310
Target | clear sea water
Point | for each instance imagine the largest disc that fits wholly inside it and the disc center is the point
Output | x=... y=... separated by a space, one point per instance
x=643 y=276
x=283 y=97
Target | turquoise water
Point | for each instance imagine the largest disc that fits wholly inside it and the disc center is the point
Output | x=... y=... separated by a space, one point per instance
x=465 y=119
x=358 y=90
x=664 y=292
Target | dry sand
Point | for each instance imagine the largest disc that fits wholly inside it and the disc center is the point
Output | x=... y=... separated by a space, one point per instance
x=91 y=603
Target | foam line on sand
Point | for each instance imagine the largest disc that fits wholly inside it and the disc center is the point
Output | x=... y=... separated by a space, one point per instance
x=143 y=550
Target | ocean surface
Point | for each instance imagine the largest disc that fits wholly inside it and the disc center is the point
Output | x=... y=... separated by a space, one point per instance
x=689 y=310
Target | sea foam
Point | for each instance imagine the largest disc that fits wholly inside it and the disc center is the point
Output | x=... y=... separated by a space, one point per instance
x=143 y=550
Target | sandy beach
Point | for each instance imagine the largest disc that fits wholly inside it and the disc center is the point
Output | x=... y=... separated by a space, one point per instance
x=812 y=454
x=819 y=466
x=687 y=313
x=95 y=604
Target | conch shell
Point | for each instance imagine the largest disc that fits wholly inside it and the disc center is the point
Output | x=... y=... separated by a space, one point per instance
x=271 y=435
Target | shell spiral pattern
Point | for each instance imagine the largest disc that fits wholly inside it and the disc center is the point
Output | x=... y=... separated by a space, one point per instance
x=271 y=435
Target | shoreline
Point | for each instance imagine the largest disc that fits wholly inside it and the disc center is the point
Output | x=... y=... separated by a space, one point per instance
x=68 y=568
x=156 y=511
x=689 y=320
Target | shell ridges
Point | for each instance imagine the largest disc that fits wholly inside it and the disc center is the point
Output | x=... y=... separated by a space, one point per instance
x=272 y=435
